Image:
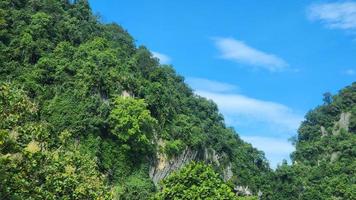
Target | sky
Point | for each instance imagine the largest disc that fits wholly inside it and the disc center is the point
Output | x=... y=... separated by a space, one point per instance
x=265 y=63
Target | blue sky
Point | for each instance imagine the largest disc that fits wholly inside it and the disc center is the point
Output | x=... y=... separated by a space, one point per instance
x=265 y=63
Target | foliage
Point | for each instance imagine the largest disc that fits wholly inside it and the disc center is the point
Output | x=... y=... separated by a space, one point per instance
x=66 y=132
x=136 y=186
x=323 y=163
x=132 y=124
x=194 y=181
x=33 y=168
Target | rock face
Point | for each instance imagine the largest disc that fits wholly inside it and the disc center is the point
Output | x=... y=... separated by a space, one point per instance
x=162 y=167
x=242 y=191
x=210 y=156
x=126 y=94
x=334 y=156
x=343 y=123
x=227 y=172
x=323 y=131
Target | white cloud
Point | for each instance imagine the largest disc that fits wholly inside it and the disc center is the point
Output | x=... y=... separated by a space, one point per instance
x=274 y=148
x=339 y=15
x=272 y=123
x=240 y=52
x=349 y=72
x=210 y=85
x=164 y=59
x=238 y=107
x=270 y=145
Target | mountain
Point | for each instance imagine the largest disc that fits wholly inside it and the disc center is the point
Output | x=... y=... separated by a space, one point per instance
x=86 y=114
x=324 y=164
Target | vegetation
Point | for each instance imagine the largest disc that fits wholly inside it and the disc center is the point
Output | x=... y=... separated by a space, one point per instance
x=84 y=113
x=38 y=165
x=324 y=160
x=66 y=130
x=195 y=181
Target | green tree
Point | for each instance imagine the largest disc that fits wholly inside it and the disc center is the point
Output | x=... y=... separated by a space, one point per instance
x=132 y=124
x=35 y=164
x=194 y=181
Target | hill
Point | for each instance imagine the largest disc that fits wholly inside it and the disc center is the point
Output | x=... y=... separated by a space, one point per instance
x=324 y=164
x=86 y=114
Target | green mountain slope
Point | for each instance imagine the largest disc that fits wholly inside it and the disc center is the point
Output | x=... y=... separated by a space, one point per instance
x=85 y=114
x=324 y=163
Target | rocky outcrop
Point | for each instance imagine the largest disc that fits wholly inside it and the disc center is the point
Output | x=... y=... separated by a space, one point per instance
x=334 y=156
x=210 y=156
x=126 y=94
x=343 y=123
x=323 y=131
x=242 y=191
x=163 y=166
x=227 y=172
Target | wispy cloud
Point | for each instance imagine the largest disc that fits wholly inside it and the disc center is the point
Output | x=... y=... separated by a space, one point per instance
x=164 y=59
x=238 y=51
x=265 y=124
x=349 y=72
x=339 y=15
x=274 y=148
x=210 y=85
x=269 y=144
x=239 y=107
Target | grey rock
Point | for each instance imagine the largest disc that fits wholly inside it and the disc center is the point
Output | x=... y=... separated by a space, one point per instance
x=334 y=156
x=242 y=190
x=323 y=131
x=227 y=172
x=162 y=167
x=126 y=94
x=343 y=123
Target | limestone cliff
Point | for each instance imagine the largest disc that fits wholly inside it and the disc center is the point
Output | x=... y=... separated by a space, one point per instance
x=162 y=166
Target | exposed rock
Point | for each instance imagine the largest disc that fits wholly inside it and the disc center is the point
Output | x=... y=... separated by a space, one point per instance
x=227 y=172
x=242 y=191
x=334 y=156
x=126 y=94
x=323 y=131
x=259 y=194
x=211 y=156
x=343 y=123
x=163 y=166
x=345 y=120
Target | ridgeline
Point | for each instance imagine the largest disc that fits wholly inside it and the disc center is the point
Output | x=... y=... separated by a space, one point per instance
x=86 y=114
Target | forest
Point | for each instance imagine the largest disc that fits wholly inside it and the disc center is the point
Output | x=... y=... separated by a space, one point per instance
x=85 y=113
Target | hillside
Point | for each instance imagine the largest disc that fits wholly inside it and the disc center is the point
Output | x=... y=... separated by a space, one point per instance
x=324 y=164
x=86 y=114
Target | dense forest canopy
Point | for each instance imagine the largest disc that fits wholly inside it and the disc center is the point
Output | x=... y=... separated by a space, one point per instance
x=86 y=114
x=324 y=164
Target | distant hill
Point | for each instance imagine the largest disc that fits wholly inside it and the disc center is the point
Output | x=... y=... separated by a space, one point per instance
x=324 y=163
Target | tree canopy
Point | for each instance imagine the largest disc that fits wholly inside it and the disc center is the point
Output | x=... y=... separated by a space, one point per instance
x=84 y=112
